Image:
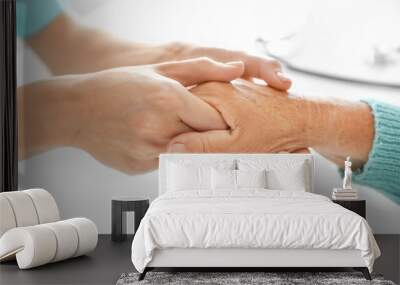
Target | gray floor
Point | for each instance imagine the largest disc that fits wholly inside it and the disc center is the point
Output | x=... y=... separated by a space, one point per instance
x=110 y=260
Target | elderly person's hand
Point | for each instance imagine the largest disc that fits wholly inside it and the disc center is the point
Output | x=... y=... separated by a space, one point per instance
x=124 y=117
x=262 y=119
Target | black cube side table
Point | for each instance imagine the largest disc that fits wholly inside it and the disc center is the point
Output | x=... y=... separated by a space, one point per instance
x=119 y=207
x=357 y=206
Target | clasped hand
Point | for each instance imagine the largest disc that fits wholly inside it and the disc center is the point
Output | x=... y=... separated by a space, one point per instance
x=130 y=114
x=126 y=116
x=142 y=108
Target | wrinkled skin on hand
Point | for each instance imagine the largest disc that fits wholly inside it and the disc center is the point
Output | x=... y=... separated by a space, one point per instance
x=260 y=119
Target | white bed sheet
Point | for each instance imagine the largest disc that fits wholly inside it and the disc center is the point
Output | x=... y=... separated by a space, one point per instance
x=251 y=218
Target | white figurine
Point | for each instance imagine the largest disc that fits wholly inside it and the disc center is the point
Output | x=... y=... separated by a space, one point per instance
x=347 y=174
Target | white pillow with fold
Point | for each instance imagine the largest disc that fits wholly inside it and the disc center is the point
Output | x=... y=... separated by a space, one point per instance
x=188 y=177
x=293 y=180
x=251 y=178
x=288 y=174
x=223 y=179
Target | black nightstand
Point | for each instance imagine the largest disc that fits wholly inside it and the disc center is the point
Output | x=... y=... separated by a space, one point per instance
x=357 y=206
x=119 y=207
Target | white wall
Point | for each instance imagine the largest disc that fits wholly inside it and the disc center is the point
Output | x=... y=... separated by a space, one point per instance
x=84 y=187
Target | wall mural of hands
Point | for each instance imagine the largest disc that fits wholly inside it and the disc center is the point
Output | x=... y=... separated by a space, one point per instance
x=123 y=101
x=126 y=102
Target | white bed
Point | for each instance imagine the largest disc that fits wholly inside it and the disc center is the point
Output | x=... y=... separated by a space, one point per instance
x=200 y=220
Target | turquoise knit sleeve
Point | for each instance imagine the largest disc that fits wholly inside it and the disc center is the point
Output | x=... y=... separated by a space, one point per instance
x=34 y=15
x=382 y=170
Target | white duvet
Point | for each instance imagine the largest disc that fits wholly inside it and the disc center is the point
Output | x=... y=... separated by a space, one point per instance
x=250 y=219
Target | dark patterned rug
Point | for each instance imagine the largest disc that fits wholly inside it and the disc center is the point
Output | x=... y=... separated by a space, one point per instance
x=243 y=278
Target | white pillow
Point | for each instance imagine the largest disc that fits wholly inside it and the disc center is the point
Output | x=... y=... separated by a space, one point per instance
x=293 y=179
x=281 y=174
x=188 y=177
x=223 y=179
x=227 y=179
x=251 y=178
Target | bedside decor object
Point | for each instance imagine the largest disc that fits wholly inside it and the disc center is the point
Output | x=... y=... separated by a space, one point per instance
x=347 y=174
x=31 y=231
x=347 y=192
x=356 y=206
x=119 y=207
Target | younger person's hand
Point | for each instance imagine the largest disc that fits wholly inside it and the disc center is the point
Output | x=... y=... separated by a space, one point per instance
x=261 y=67
x=124 y=117
x=86 y=50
